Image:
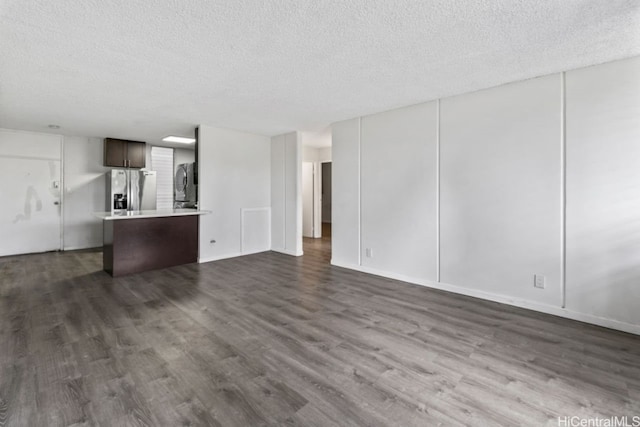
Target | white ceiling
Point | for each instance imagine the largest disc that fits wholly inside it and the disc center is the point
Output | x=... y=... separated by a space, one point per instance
x=143 y=69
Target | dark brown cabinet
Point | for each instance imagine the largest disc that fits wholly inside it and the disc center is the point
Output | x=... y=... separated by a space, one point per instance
x=120 y=153
x=134 y=245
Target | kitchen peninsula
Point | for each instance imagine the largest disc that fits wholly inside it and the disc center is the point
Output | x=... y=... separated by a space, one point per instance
x=136 y=241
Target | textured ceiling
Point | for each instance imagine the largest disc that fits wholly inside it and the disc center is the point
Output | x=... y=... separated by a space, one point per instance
x=147 y=68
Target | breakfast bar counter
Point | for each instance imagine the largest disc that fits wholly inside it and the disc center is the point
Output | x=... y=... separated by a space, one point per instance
x=136 y=241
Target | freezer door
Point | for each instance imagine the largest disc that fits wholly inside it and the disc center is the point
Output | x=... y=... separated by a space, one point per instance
x=143 y=190
x=117 y=190
x=148 y=196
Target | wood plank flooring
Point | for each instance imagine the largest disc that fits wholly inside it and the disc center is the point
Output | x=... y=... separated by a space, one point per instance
x=270 y=339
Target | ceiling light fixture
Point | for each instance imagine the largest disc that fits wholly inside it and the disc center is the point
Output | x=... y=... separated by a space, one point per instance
x=178 y=139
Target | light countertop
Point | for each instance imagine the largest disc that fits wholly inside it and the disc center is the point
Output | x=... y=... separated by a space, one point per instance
x=148 y=214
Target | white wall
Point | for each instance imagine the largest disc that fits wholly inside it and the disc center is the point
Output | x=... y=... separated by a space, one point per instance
x=293 y=194
x=603 y=190
x=84 y=192
x=234 y=174
x=147 y=156
x=278 y=180
x=501 y=182
x=345 y=215
x=286 y=194
x=324 y=154
x=316 y=154
x=398 y=191
x=500 y=187
x=310 y=154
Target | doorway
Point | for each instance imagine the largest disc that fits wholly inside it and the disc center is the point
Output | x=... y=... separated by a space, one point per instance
x=316 y=200
x=316 y=211
x=325 y=200
x=308 y=199
x=31 y=176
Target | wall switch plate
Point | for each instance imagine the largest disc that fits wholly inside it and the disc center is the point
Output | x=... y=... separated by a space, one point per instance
x=369 y=252
x=539 y=281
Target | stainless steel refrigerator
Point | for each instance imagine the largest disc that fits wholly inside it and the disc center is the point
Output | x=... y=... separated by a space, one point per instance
x=131 y=190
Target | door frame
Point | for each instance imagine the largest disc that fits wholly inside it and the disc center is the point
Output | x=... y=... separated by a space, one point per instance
x=317 y=200
x=314 y=193
x=62 y=192
x=320 y=194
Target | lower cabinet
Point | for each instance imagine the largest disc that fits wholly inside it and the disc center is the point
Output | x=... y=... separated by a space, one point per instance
x=140 y=244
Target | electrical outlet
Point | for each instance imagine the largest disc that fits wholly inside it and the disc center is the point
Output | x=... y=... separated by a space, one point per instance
x=369 y=252
x=539 y=281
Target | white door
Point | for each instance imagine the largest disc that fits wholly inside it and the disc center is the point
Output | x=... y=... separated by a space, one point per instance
x=307 y=199
x=30 y=186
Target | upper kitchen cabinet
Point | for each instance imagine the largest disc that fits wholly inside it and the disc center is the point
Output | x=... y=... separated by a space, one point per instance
x=121 y=153
x=136 y=156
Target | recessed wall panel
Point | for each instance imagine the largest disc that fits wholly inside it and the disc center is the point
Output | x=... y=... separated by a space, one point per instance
x=345 y=209
x=399 y=191
x=501 y=190
x=603 y=190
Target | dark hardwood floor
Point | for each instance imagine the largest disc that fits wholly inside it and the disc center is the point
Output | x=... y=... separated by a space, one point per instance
x=270 y=339
x=326 y=230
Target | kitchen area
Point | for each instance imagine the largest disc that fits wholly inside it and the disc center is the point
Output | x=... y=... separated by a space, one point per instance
x=58 y=188
x=151 y=211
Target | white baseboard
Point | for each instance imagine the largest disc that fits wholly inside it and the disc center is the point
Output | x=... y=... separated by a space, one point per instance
x=237 y=254
x=288 y=252
x=259 y=251
x=503 y=299
x=219 y=257
x=79 y=248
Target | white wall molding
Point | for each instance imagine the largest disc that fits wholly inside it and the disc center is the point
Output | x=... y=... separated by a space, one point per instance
x=288 y=252
x=438 y=190
x=286 y=192
x=563 y=191
x=202 y=260
x=503 y=299
x=80 y=248
x=537 y=177
x=359 y=191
